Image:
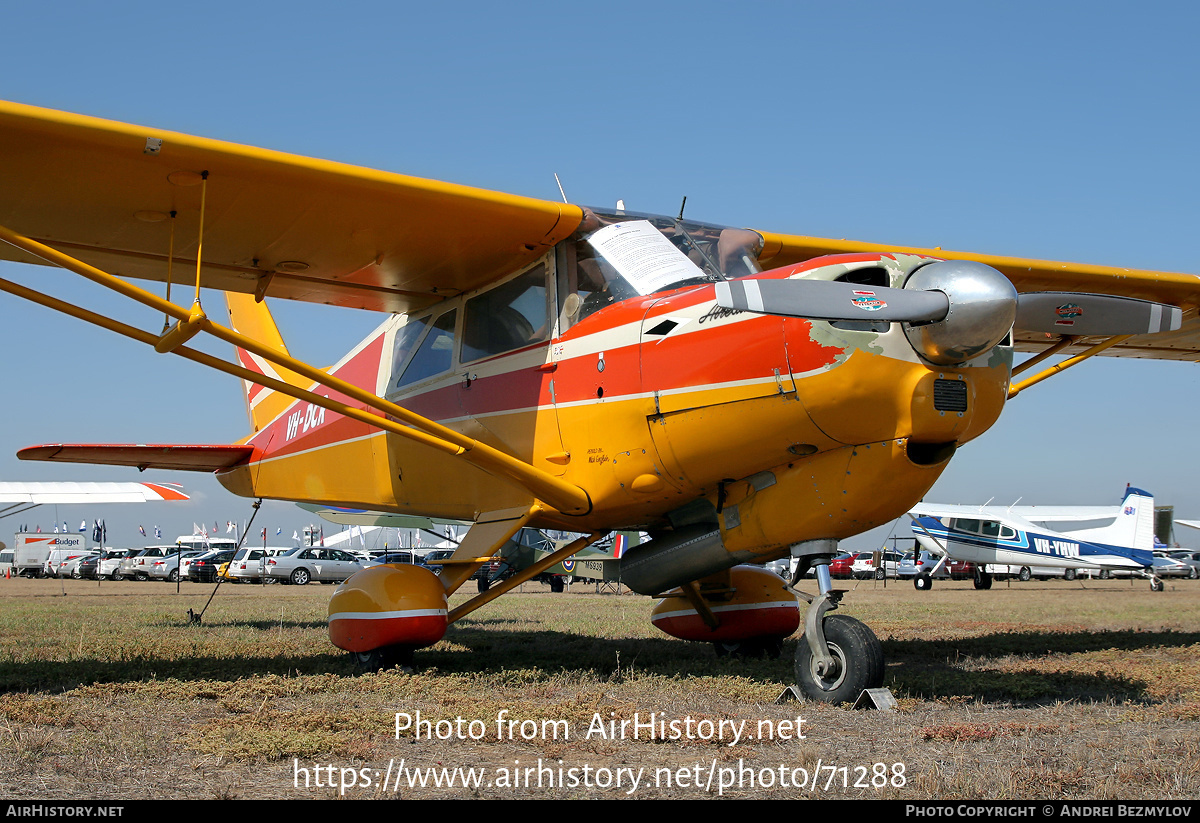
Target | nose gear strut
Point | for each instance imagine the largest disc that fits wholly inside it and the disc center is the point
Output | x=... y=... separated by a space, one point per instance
x=838 y=657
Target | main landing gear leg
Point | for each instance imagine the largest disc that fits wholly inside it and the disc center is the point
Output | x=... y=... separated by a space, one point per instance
x=838 y=657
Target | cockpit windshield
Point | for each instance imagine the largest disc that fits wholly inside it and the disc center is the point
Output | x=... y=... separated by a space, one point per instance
x=614 y=256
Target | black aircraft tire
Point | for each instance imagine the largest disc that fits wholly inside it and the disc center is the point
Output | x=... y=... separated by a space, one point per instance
x=983 y=580
x=383 y=658
x=922 y=582
x=857 y=650
x=1025 y=574
x=1156 y=584
x=1069 y=574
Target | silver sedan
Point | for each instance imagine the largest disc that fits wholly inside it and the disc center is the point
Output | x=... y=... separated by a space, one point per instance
x=313 y=563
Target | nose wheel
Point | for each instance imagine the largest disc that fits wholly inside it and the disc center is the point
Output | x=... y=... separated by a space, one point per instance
x=855 y=662
x=838 y=657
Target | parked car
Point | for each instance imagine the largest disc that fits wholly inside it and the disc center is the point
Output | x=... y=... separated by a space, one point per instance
x=104 y=565
x=139 y=566
x=914 y=563
x=204 y=569
x=246 y=565
x=395 y=556
x=71 y=567
x=434 y=558
x=167 y=568
x=840 y=566
x=1167 y=566
x=917 y=563
x=314 y=563
x=864 y=565
x=61 y=561
x=1190 y=559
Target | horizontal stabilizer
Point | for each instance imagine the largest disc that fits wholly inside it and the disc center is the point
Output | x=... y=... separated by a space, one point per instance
x=67 y=492
x=155 y=456
x=1094 y=314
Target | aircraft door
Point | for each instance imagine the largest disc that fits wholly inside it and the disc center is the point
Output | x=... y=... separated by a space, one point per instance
x=504 y=389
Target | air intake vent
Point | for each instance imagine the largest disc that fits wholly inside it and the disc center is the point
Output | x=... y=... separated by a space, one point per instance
x=950 y=395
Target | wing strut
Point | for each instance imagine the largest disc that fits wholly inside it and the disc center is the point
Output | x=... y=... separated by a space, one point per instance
x=565 y=497
x=1066 y=364
x=528 y=573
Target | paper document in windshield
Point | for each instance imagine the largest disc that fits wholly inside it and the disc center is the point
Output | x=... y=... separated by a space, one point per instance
x=643 y=256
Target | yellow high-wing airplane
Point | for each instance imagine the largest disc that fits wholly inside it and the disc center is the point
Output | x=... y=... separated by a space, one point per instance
x=739 y=395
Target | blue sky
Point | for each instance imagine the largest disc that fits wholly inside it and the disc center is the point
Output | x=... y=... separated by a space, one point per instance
x=1065 y=131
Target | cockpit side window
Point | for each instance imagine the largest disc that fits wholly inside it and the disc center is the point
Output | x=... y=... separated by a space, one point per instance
x=435 y=354
x=512 y=315
x=405 y=343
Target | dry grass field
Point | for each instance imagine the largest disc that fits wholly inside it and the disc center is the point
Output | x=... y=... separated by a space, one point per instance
x=1038 y=690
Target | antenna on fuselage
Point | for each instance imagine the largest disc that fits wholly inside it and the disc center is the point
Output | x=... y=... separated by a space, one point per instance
x=560 y=188
x=681 y=205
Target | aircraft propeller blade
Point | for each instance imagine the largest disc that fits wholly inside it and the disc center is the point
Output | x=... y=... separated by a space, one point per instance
x=1093 y=314
x=832 y=300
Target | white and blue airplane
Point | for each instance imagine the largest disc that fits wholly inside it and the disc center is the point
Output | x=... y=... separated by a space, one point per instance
x=1101 y=537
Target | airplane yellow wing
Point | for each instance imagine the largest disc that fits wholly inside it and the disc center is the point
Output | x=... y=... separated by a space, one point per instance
x=1174 y=288
x=274 y=223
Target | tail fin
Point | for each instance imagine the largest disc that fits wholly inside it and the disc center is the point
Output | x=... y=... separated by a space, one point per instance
x=1138 y=509
x=1132 y=528
x=254 y=320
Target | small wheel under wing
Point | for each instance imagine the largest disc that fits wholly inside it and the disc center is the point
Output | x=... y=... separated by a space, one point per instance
x=755 y=647
x=387 y=657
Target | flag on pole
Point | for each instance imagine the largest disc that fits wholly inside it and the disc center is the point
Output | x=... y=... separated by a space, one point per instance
x=157 y=533
x=142 y=530
x=296 y=536
x=82 y=526
x=195 y=527
x=264 y=533
x=279 y=531
x=95 y=531
x=228 y=527
x=65 y=529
